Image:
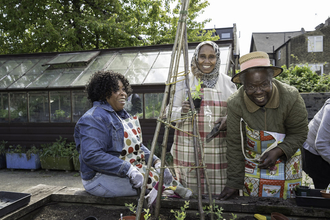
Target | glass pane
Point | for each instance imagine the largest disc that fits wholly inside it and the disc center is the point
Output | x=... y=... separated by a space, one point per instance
x=84 y=57
x=122 y=61
x=38 y=107
x=4 y=107
x=80 y=104
x=136 y=76
x=46 y=78
x=158 y=75
x=144 y=60
x=67 y=77
x=60 y=106
x=30 y=76
x=61 y=58
x=8 y=67
x=18 y=107
x=134 y=105
x=98 y=64
x=153 y=102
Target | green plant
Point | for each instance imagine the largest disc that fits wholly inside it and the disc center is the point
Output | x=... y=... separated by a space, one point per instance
x=132 y=208
x=59 y=148
x=59 y=114
x=197 y=93
x=3 y=113
x=217 y=211
x=181 y=215
x=3 y=147
x=23 y=150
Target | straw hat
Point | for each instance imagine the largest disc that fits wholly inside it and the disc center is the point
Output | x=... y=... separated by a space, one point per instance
x=253 y=60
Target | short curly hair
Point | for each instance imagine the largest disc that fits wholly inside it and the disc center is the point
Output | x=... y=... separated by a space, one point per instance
x=103 y=83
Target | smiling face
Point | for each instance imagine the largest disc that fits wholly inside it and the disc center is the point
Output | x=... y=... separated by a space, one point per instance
x=206 y=59
x=258 y=86
x=118 y=99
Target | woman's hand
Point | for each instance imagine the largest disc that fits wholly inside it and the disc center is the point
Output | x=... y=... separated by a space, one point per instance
x=167 y=174
x=185 y=107
x=269 y=158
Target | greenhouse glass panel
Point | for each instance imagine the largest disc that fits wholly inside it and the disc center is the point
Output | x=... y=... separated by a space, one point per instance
x=61 y=58
x=80 y=104
x=134 y=105
x=98 y=64
x=8 y=67
x=16 y=74
x=38 y=106
x=158 y=75
x=46 y=78
x=18 y=107
x=30 y=76
x=153 y=102
x=67 y=77
x=84 y=57
x=144 y=60
x=164 y=59
x=4 y=107
x=122 y=61
x=60 y=106
x=136 y=76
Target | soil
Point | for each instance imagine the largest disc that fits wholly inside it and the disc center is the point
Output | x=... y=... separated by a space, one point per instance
x=66 y=211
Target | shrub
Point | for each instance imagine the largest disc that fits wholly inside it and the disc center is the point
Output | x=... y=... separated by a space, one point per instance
x=59 y=148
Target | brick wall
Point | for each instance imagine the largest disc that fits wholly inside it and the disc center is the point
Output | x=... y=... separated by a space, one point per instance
x=314 y=102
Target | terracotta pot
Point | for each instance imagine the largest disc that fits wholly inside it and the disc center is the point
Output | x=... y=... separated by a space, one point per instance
x=278 y=216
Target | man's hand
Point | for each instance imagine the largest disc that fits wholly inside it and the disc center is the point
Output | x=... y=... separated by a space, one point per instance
x=269 y=158
x=223 y=121
x=228 y=192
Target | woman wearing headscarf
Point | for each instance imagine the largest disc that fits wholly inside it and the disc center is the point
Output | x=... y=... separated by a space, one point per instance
x=216 y=87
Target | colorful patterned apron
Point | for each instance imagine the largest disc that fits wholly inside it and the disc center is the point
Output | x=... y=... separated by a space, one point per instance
x=278 y=181
x=214 y=152
x=132 y=152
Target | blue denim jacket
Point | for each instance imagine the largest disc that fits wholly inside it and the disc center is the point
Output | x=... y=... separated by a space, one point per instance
x=99 y=137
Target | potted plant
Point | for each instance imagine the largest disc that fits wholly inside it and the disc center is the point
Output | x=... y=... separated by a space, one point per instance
x=196 y=95
x=75 y=159
x=18 y=157
x=57 y=155
x=3 y=154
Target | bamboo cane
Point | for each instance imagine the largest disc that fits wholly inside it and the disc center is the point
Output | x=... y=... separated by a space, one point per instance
x=153 y=144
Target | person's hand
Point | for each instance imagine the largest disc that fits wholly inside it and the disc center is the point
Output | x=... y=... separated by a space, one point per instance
x=185 y=107
x=136 y=178
x=269 y=158
x=223 y=125
x=167 y=174
x=228 y=192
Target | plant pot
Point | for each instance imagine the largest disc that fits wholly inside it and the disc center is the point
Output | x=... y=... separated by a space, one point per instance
x=56 y=163
x=2 y=161
x=20 y=161
x=133 y=217
x=76 y=163
x=302 y=190
x=278 y=216
x=197 y=103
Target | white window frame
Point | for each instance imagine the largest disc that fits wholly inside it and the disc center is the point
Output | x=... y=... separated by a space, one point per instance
x=315 y=44
x=279 y=55
x=315 y=67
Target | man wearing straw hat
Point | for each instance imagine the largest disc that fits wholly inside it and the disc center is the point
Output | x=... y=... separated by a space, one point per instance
x=266 y=125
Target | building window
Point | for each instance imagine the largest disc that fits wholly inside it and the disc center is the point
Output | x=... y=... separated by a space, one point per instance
x=315 y=44
x=225 y=35
x=279 y=55
x=316 y=67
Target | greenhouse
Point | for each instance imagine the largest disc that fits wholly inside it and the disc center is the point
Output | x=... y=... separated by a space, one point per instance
x=42 y=95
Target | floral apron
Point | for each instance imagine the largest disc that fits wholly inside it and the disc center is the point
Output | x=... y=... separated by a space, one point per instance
x=277 y=181
x=132 y=150
x=214 y=152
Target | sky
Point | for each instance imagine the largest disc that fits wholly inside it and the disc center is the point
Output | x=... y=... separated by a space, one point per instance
x=258 y=16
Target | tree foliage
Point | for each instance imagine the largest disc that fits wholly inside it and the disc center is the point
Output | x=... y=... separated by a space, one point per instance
x=304 y=79
x=30 y=26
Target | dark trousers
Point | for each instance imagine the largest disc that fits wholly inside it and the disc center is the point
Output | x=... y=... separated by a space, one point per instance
x=317 y=168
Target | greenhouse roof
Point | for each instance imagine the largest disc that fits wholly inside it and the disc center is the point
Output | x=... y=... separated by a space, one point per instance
x=140 y=65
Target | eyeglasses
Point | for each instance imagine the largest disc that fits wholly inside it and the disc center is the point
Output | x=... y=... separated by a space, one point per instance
x=251 y=89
